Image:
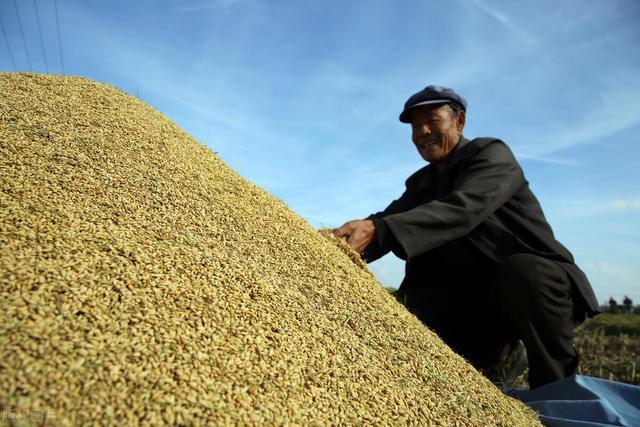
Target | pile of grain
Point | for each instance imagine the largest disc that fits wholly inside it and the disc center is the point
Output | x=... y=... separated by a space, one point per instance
x=143 y=281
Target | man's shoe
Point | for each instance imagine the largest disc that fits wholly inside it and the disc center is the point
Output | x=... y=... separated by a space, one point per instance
x=507 y=370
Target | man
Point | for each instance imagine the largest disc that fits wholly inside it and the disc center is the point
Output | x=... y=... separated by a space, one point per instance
x=483 y=269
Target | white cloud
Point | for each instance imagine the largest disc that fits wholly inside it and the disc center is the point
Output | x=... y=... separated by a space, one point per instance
x=551 y=160
x=614 y=108
x=584 y=208
x=613 y=279
x=614 y=270
x=514 y=27
x=198 y=6
x=337 y=76
x=389 y=270
x=629 y=205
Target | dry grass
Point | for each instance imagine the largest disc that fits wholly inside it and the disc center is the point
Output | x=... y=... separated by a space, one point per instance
x=144 y=282
x=609 y=347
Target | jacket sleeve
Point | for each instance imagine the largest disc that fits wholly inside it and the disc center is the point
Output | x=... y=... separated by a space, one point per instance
x=385 y=241
x=485 y=181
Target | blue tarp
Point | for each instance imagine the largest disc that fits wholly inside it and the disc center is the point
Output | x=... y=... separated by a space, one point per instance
x=584 y=401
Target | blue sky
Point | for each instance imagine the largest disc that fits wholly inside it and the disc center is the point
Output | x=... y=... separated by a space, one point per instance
x=302 y=97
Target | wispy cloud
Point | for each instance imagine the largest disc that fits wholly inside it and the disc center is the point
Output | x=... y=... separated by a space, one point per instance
x=598 y=207
x=615 y=270
x=337 y=76
x=613 y=108
x=201 y=5
x=389 y=270
x=515 y=28
x=551 y=160
x=630 y=205
x=613 y=279
x=359 y=191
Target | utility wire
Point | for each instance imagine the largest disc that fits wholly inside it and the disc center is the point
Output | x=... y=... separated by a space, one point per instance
x=13 y=61
x=24 y=43
x=55 y=2
x=44 y=55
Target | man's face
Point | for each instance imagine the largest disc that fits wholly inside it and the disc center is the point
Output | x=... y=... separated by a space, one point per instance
x=436 y=131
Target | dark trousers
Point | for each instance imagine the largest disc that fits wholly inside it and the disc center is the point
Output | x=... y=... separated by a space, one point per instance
x=528 y=298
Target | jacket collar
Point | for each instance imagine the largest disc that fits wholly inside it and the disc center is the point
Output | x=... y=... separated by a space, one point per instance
x=456 y=155
x=429 y=173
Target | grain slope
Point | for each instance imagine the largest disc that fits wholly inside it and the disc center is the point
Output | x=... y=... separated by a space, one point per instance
x=143 y=281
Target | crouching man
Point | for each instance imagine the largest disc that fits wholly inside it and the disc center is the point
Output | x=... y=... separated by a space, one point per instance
x=483 y=269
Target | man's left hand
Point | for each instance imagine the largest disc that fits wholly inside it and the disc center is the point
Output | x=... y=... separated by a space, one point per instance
x=359 y=233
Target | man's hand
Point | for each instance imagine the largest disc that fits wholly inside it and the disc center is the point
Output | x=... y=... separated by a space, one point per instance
x=359 y=233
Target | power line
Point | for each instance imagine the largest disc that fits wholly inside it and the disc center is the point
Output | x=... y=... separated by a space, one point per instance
x=44 y=55
x=24 y=43
x=8 y=46
x=55 y=2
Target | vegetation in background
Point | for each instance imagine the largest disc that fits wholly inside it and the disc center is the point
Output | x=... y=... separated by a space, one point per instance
x=609 y=347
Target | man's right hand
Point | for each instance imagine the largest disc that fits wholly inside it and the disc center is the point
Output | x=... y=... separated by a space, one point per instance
x=359 y=233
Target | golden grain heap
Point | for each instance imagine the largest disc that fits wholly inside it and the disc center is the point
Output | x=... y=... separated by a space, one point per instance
x=143 y=281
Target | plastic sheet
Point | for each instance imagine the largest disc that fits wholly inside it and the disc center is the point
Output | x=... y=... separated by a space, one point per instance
x=584 y=401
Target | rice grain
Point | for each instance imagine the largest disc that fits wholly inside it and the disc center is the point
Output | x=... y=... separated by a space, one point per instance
x=144 y=282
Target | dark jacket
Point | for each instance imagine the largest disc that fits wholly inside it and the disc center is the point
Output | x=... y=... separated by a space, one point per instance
x=481 y=195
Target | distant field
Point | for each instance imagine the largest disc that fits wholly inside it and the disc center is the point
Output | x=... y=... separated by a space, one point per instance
x=609 y=347
x=612 y=324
